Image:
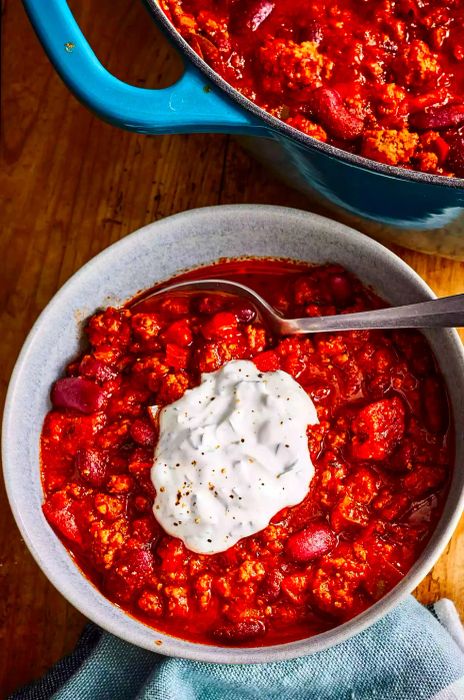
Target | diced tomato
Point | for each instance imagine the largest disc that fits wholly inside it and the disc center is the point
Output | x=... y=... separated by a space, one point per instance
x=267 y=361
x=59 y=509
x=220 y=325
x=178 y=333
x=145 y=530
x=176 y=356
x=297 y=517
x=391 y=505
x=175 y=306
x=385 y=577
x=173 y=554
x=210 y=303
x=377 y=429
x=348 y=513
x=69 y=432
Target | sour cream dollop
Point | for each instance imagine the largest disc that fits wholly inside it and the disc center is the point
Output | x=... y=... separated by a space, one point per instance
x=231 y=453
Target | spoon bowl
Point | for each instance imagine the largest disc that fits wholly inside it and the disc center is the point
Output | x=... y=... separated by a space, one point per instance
x=447 y=312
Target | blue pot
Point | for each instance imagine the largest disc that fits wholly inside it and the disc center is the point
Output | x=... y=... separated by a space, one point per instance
x=414 y=209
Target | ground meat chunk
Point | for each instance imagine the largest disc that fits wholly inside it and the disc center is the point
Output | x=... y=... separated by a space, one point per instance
x=390 y=146
x=298 y=67
x=337 y=579
x=389 y=104
x=418 y=65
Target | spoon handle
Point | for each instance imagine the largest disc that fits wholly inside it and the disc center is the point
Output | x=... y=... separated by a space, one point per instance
x=447 y=312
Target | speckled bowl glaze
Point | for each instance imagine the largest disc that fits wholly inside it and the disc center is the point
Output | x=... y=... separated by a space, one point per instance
x=156 y=252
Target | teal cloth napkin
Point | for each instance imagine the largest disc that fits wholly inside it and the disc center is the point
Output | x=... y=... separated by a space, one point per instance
x=414 y=653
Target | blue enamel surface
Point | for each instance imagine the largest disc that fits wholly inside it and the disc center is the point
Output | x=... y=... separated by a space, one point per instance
x=375 y=196
x=191 y=104
x=195 y=105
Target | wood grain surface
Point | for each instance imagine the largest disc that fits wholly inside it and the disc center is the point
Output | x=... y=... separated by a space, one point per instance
x=69 y=186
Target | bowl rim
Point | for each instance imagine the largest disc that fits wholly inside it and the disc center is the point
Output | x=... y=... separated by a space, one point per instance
x=361 y=162
x=193 y=650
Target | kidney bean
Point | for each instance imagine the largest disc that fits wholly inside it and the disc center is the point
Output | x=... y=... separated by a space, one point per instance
x=341 y=289
x=270 y=587
x=438 y=118
x=91 y=465
x=311 y=542
x=240 y=631
x=132 y=571
x=142 y=432
x=455 y=159
x=77 y=393
x=327 y=105
x=243 y=311
x=139 y=562
x=250 y=16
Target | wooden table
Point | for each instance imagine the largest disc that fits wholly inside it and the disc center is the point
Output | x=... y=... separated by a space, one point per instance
x=70 y=185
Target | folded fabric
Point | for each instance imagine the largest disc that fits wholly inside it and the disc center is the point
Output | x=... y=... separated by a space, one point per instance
x=414 y=653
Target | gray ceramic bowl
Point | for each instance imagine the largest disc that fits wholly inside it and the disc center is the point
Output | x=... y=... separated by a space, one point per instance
x=154 y=253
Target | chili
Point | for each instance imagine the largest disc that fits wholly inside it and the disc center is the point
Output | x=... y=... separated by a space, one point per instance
x=382 y=79
x=382 y=456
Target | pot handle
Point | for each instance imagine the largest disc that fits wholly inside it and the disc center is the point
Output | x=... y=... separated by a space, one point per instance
x=192 y=104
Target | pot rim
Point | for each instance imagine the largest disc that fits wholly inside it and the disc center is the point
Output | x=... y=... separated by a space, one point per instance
x=290 y=132
x=94 y=604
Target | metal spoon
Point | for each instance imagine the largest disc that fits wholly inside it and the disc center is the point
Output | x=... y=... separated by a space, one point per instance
x=446 y=312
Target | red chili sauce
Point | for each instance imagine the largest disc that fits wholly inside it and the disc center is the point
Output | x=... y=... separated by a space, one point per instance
x=382 y=456
x=382 y=79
